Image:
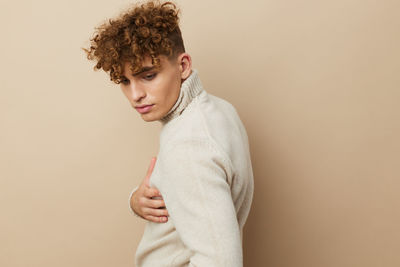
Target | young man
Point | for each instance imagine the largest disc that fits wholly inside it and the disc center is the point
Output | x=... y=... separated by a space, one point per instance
x=202 y=173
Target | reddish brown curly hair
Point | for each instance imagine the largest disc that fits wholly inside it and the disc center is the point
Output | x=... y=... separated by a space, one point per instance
x=146 y=29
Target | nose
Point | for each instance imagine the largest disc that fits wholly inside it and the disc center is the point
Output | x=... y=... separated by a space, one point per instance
x=137 y=92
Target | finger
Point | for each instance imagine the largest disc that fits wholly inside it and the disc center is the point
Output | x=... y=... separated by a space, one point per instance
x=149 y=171
x=152 y=192
x=156 y=219
x=156 y=203
x=160 y=212
x=165 y=212
x=155 y=212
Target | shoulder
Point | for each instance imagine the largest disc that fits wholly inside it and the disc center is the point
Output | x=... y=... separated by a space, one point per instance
x=207 y=114
x=209 y=124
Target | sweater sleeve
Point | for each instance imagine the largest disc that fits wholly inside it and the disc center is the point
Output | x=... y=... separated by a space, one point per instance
x=195 y=188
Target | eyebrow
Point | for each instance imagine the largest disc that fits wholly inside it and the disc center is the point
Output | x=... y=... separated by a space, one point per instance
x=143 y=69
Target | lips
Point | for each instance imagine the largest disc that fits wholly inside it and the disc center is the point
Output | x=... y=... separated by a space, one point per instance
x=144 y=108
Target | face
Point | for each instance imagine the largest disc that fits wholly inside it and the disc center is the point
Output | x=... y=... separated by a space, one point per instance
x=155 y=89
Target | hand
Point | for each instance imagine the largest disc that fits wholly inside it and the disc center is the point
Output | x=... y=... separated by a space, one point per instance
x=147 y=201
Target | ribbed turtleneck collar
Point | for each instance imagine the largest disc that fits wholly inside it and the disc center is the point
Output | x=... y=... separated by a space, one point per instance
x=190 y=88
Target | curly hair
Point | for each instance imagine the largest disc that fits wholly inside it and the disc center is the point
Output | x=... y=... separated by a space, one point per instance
x=146 y=29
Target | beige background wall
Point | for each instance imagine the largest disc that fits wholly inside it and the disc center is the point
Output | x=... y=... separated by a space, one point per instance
x=315 y=82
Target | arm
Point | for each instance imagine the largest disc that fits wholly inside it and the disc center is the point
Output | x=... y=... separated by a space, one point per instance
x=198 y=197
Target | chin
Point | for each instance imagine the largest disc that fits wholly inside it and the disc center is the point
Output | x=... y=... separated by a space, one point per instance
x=148 y=120
x=149 y=117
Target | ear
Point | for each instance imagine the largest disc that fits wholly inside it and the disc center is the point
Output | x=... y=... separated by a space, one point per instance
x=185 y=65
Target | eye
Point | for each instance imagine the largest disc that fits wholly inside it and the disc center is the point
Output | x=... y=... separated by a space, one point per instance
x=150 y=76
x=125 y=81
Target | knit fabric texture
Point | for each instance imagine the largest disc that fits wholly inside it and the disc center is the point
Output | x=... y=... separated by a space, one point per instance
x=204 y=174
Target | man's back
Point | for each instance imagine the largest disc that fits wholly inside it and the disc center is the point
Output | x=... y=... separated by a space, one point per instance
x=204 y=174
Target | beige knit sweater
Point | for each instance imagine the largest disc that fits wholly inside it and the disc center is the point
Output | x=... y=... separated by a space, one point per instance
x=204 y=173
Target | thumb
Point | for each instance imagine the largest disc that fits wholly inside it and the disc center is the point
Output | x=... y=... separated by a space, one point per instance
x=149 y=171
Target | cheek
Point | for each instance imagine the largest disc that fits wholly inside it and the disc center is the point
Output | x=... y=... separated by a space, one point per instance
x=166 y=92
x=169 y=92
x=173 y=93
